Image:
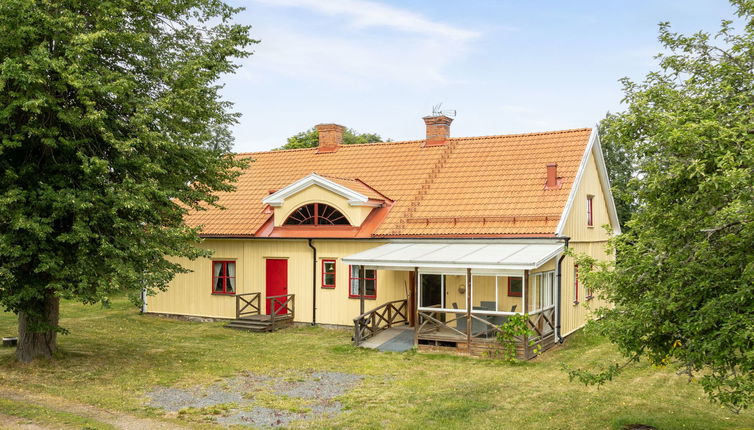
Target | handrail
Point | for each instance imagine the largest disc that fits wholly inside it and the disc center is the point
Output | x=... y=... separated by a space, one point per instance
x=252 y=303
x=280 y=307
x=380 y=318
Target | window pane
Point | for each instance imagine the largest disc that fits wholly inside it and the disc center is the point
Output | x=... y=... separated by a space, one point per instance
x=370 y=288
x=516 y=286
x=230 y=286
x=218 y=285
x=431 y=290
x=354 y=271
x=370 y=273
x=329 y=279
x=329 y=266
x=354 y=287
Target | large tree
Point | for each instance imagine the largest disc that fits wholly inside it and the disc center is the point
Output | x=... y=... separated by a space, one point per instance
x=620 y=168
x=683 y=286
x=111 y=128
x=310 y=139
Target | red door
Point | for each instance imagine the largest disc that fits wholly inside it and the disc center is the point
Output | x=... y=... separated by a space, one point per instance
x=277 y=282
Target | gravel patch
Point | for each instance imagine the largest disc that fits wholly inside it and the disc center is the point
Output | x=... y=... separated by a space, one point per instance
x=318 y=389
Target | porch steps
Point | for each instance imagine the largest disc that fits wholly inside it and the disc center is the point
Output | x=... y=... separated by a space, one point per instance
x=260 y=323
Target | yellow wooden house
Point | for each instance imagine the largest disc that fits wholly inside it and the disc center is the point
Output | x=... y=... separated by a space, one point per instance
x=444 y=236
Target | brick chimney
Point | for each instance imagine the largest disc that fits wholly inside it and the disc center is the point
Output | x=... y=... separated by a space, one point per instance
x=553 y=181
x=438 y=129
x=330 y=137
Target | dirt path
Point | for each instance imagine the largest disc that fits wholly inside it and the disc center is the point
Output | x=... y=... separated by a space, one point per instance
x=116 y=419
x=8 y=422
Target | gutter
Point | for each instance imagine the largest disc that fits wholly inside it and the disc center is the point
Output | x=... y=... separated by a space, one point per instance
x=559 y=310
x=314 y=282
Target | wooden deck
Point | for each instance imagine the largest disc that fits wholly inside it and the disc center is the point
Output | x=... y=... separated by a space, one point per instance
x=249 y=316
x=261 y=323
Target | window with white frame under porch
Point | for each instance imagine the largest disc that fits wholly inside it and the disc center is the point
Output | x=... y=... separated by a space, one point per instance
x=541 y=302
x=444 y=299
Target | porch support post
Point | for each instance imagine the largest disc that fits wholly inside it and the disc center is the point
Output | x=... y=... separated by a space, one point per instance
x=413 y=279
x=362 y=288
x=526 y=311
x=415 y=309
x=468 y=310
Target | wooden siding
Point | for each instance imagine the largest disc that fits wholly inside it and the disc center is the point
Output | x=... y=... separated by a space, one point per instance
x=190 y=293
x=584 y=240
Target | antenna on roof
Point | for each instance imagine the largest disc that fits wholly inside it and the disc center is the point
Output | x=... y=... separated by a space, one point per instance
x=436 y=111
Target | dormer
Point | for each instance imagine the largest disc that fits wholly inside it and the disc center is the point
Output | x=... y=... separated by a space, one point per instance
x=324 y=201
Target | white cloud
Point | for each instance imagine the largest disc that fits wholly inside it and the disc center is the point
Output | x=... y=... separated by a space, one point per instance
x=413 y=50
x=363 y=14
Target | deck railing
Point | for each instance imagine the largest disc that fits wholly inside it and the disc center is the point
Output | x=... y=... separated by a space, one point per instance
x=247 y=304
x=380 y=318
x=279 y=306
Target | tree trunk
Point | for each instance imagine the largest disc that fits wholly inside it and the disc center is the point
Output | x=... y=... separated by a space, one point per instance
x=38 y=339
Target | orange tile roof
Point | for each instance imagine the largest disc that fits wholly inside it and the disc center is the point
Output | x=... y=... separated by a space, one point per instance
x=471 y=186
x=358 y=186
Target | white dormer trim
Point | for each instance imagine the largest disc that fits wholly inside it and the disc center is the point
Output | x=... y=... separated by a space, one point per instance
x=354 y=199
x=592 y=148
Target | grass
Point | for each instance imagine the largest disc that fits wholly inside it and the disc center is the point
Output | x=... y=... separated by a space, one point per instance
x=114 y=356
x=44 y=415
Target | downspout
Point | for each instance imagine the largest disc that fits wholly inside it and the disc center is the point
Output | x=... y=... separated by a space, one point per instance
x=314 y=282
x=559 y=309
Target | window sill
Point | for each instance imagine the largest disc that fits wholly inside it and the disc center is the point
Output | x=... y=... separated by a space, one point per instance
x=223 y=294
x=514 y=295
x=589 y=298
x=365 y=297
x=575 y=302
x=589 y=226
x=328 y=287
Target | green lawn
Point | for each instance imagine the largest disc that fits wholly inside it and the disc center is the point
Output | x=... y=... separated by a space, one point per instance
x=112 y=357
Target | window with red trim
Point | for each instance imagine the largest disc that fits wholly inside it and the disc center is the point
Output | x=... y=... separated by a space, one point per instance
x=575 y=283
x=588 y=292
x=515 y=287
x=328 y=273
x=589 y=211
x=370 y=282
x=223 y=277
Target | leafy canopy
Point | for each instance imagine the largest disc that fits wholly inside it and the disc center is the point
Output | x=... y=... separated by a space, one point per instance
x=111 y=128
x=683 y=286
x=310 y=139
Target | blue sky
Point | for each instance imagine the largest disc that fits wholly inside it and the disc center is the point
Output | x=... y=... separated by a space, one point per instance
x=505 y=66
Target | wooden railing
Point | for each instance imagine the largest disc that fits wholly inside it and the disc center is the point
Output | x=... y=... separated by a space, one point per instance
x=434 y=321
x=380 y=318
x=542 y=322
x=247 y=304
x=279 y=306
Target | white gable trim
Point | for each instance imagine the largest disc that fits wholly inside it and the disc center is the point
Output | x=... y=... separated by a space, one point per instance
x=592 y=148
x=354 y=199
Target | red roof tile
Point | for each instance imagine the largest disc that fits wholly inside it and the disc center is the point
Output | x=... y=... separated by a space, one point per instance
x=476 y=186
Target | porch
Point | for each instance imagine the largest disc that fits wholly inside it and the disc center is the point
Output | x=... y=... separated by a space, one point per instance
x=460 y=309
x=249 y=316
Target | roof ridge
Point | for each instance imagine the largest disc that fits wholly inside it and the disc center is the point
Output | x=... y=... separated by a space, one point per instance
x=405 y=142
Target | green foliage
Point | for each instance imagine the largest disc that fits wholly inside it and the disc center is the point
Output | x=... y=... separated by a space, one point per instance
x=111 y=129
x=620 y=167
x=310 y=139
x=683 y=288
x=515 y=326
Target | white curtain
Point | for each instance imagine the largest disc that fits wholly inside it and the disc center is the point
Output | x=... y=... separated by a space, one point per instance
x=230 y=283
x=354 y=280
x=216 y=273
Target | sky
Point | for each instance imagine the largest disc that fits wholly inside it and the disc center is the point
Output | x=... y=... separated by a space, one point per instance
x=504 y=66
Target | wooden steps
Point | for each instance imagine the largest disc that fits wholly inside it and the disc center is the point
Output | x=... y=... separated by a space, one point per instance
x=261 y=323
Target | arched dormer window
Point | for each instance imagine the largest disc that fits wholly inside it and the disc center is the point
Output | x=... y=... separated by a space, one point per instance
x=316 y=214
